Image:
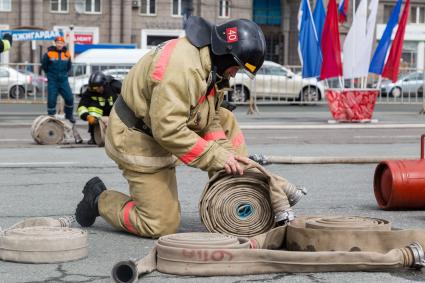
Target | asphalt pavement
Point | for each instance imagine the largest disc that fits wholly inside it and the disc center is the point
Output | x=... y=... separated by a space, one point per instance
x=47 y=181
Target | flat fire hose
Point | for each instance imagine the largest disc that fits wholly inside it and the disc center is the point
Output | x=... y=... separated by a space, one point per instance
x=245 y=205
x=43 y=240
x=208 y=254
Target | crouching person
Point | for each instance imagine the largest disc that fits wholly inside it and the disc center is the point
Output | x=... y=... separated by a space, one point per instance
x=170 y=107
x=97 y=100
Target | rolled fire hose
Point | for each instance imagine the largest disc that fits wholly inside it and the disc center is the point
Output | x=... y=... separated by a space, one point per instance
x=43 y=240
x=209 y=254
x=100 y=130
x=47 y=130
x=246 y=205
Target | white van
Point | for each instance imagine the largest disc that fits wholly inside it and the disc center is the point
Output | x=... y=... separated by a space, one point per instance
x=115 y=62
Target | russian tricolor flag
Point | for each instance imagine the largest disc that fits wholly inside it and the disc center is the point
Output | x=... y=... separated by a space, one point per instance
x=343 y=11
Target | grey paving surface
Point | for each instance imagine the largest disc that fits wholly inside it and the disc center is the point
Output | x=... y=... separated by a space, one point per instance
x=47 y=181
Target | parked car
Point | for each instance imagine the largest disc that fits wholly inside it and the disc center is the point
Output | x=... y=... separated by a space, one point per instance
x=409 y=85
x=15 y=83
x=38 y=81
x=275 y=81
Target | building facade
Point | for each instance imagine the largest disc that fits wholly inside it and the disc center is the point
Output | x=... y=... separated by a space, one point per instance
x=141 y=22
x=413 y=55
x=146 y=23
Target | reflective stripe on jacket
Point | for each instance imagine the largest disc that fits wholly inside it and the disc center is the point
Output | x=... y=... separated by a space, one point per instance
x=95 y=104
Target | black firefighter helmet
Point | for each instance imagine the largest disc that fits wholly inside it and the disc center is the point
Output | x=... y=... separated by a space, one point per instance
x=97 y=79
x=242 y=39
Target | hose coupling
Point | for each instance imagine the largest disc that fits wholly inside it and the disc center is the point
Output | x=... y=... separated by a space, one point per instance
x=66 y=221
x=418 y=255
x=294 y=193
x=259 y=158
x=284 y=217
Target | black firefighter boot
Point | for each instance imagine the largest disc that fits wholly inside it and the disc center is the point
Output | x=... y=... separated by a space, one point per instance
x=87 y=209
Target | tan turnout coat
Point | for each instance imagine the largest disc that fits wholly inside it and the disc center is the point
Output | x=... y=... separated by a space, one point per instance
x=167 y=88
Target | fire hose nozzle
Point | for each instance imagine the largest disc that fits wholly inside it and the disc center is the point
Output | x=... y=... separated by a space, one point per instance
x=284 y=217
x=125 y=272
x=418 y=255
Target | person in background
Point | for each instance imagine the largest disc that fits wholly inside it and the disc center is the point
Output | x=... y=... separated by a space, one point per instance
x=56 y=63
x=6 y=42
x=97 y=100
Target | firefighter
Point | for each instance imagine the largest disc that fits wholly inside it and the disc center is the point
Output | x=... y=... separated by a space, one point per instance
x=97 y=100
x=170 y=107
x=6 y=42
x=56 y=63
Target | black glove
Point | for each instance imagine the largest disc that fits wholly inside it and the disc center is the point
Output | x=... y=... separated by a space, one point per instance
x=8 y=37
x=84 y=116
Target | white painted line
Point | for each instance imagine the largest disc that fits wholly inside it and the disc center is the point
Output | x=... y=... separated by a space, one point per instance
x=13 y=140
x=331 y=126
x=386 y=137
x=4 y=164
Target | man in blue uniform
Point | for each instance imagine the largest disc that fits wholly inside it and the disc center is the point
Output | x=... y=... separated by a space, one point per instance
x=56 y=64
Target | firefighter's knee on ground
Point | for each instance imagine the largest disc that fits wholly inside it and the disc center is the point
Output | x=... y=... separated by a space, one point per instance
x=163 y=225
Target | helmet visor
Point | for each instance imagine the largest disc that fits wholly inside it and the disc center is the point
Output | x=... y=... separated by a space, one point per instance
x=248 y=69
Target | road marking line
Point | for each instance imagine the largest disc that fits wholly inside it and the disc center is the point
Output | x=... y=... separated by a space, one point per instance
x=387 y=137
x=329 y=127
x=13 y=140
x=36 y=163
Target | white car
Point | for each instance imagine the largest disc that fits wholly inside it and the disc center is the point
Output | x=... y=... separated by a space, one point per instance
x=14 y=83
x=273 y=81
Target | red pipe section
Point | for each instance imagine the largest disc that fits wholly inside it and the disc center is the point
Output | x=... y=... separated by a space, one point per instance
x=400 y=184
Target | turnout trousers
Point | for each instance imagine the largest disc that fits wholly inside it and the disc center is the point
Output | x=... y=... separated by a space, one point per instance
x=152 y=208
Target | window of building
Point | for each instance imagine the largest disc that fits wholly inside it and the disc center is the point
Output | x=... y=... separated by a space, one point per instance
x=224 y=9
x=417 y=15
x=181 y=7
x=5 y=5
x=409 y=56
x=267 y=12
x=387 y=12
x=148 y=7
x=59 y=6
x=92 y=6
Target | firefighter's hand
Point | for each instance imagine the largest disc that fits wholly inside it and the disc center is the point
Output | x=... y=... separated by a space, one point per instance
x=233 y=166
x=91 y=119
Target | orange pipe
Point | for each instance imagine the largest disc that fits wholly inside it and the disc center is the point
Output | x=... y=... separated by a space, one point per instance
x=400 y=184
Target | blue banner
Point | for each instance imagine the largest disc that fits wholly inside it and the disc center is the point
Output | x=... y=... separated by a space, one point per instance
x=319 y=16
x=378 y=59
x=308 y=43
x=25 y=35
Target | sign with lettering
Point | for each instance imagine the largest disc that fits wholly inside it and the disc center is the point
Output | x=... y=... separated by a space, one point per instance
x=26 y=35
x=83 y=38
